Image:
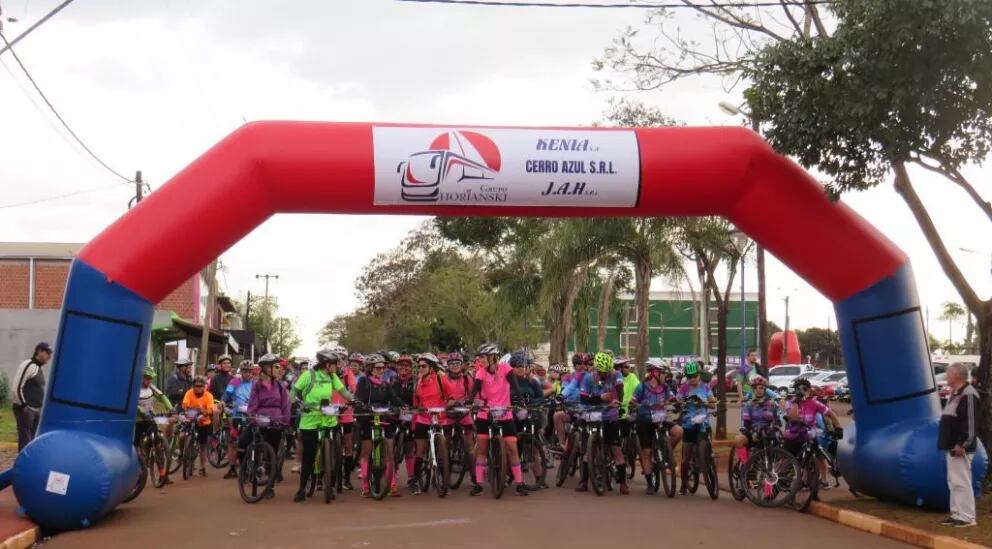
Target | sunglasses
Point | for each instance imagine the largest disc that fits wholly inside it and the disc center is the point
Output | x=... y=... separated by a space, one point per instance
x=378 y=367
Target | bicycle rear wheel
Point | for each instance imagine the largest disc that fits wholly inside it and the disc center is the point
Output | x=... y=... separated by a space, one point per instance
x=566 y=467
x=257 y=472
x=498 y=468
x=770 y=476
x=734 y=470
x=667 y=467
x=807 y=485
x=217 y=453
x=190 y=451
x=708 y=468
x=140 y=481
x=598 y=468
x=441 y=467
x=457 y=461
x=328 y=468
x=176 y=446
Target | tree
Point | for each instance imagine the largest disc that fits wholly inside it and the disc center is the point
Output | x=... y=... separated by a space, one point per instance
x=284 y=339
x=822 y=345
x=951 y=312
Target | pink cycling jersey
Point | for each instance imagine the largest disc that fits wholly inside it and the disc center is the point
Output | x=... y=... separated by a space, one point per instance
x=428 y=394
x=495 y=390
x=458 y=390
x=807 y=418
x=350 y=382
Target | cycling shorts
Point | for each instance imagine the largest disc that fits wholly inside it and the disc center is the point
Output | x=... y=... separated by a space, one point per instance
x=690 y=436
x=365 y=429
x=203 y=433
x=140 y=428
x=645 y=433
x=509 y=427
x=611 y=433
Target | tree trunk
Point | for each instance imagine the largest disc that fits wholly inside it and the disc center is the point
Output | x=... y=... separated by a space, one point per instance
x=605 y=295
x=574 y=287
x=983 y=379
x=642 y=290
x=704 y=317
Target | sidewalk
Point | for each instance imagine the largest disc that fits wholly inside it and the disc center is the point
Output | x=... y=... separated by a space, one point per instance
x=15 y=532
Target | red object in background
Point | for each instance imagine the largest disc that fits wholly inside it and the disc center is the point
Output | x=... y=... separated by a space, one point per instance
x=775 y=349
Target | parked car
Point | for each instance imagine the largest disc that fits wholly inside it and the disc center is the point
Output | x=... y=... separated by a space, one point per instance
x=832 y=384
x=782 y=376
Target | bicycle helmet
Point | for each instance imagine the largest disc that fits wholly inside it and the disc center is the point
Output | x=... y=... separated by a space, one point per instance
x=621 y=361
x=654 y=366
x=560 y=368
x=580 y=358
x=488 y=349
x=691 y=369
x=375 y=359
x=392 y=357
x=455 y=356
x=801 y=381
x=431 y=359
x=340 y=350
x=270 y=358
x=325 y=356
x=222 y=358
x=404 y=358
x=603 y=362
x=149 y=372
x=356 y=357
x=758 y=381
x=211 y=367
x=183 y=363
x=518 y=359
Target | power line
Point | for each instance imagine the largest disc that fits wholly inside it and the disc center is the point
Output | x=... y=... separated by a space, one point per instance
x=797 y=3
x=125 y=180
x=37 y=24
x=57 y=197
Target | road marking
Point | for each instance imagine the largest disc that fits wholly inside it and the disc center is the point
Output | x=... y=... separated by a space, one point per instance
x=443 y=522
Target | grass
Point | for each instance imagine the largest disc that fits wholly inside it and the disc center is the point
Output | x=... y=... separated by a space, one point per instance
x=927 y=520
x=8 y=426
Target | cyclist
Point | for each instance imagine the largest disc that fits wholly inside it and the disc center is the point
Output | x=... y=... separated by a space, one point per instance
x=428 y=393
x=356 y=363
x=696 y=398
x=457 y=387
x=800 y=414
x=529 y=393
x=404 y=384
x=494 y=382
x=373 y=391
x=236 y=397
x=604 y=387
x=347 y=419
x=390 y=374
x=179 y=382
x=148 y=395
x=315 y=388
x=269 y=399
x=650 y=394
x=630 y=382
x=570 y=393
x=757 y=414
x=198 y=398
x=218 y=384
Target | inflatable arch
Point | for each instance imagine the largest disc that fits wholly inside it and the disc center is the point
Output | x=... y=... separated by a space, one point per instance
x=82 y=463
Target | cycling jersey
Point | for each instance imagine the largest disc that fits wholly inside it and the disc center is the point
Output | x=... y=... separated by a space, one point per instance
x=204 y=403
x=759 y=414
x=375 y=392
x=690 y=409
x=323 y=386
x=595 y=390
x=630 y=382
x=529 y=390
x=572 y=390
x=805 y=428
x=428 y=393
x=348 y=378
x=237 y=394
x=270 y=400
x=458 y=389
x=649 y=396
x=147 y=397
x=495 y=390
x=404 y=389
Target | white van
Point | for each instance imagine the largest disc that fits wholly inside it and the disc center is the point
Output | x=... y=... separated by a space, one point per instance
x=781 y=377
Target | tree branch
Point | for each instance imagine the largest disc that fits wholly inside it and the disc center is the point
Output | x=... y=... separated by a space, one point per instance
x=727 y=16
x=956 y=177
x=814 y=15
x=904 y=186
x=788 y=13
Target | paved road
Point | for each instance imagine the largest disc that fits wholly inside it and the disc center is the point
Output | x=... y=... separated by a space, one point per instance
x=208 y=513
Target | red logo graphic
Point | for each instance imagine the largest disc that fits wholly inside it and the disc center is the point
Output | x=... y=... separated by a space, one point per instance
x=453 y=157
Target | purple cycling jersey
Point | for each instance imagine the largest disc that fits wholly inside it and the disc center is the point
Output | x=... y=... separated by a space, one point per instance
x=806 y=426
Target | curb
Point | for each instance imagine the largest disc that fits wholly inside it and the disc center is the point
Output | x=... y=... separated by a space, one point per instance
x=889 y=529
x=24 y=540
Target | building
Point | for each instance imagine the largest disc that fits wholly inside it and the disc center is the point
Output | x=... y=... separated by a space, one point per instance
x=32 y=285
x=675 y=325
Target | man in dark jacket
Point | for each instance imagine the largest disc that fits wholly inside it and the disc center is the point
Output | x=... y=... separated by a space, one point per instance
x=958 y=438
x=29 y=394
x=179 y=382
x=219 y=382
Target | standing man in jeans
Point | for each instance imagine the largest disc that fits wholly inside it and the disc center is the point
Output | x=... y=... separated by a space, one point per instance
x=29 y=394
x=958 y=438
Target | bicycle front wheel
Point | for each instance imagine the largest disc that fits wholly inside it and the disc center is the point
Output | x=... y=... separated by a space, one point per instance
x=140 y=481
x=378 y=470
x=328 y=468
x=441 y=468
x=498 y=468
x=157 y=459
x=734 y=468
x=176 y=445
x=566 y=467
x=190 y=451
x=217 y=453
x=708 y=468
x=457 y=461
x=807 y=485
x=257 y=472
x=770 y=476
x=598 y=468
x=667 y=467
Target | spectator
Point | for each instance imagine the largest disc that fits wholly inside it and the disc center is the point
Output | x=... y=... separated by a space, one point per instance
x=29 y=394
x=759 y=368
x=958 y=438
x=218 y=384
x=179 y=382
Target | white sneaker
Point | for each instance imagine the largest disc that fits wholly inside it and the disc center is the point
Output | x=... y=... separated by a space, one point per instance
x=963 y=524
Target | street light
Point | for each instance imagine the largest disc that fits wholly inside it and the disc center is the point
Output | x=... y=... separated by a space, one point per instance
x=732 y=110
x=741 y=242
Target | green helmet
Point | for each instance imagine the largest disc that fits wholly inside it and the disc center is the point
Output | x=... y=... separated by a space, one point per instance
x=691 y=369
x=149 y=371
x=603 y=362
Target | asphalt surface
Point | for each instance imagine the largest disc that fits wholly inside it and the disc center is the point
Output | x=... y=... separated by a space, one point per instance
x=208 y=513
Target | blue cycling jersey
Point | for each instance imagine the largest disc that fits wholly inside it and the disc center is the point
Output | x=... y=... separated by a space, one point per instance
x=692 y=409
x=237 y=393
x=572 y=389
x=649 y=397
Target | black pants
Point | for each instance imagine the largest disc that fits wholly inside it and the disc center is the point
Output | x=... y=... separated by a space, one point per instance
x=27 y=425
x=272 y=436
x=309 y=438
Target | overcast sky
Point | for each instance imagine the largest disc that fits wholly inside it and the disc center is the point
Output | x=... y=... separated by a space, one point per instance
x=150 y=85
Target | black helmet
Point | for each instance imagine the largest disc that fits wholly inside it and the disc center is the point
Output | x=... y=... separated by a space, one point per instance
x=801 y=381
x=392 y=356
x=518 y=359
x=327 y=356
x=269 y=359
x=488 y=349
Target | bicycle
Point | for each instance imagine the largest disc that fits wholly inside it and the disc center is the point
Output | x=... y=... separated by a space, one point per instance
x=662 y=473
x=220 y=441
x=257 y=473
x=530 y=441
x=436 y=469
x=808 y=479
x=499 y=462
x=156 y=452
x=188 y=442
x=701 y=462
x=769 y=477
x=459 y=457
x=575 y=448
x=598 y=456
x=328 y=461
x=380 y=470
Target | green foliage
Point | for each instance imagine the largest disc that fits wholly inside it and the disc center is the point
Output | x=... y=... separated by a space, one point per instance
x=4 y=390
x=822 y=345
x=897 y=81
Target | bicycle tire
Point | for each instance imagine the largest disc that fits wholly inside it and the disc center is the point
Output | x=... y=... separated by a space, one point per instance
x=566 y=465
x=598 y=468
x=399 y=446
x=337 y=462
x=668 y=467
x=692 y=478
x=497 y=467
x=709 y=469
x=457 y=461
x=157 y=460
x=258 y=471
x=217 y=455
x=630 y=454
x=807 y=485
x=378 y=470
x=190 y=452
x=140 y=481
x=734 y=469
x=770 y=476
x=176 y=453
x=328 y=468
x=441 y=467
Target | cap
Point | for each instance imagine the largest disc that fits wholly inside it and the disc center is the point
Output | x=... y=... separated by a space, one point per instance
x=43 y=346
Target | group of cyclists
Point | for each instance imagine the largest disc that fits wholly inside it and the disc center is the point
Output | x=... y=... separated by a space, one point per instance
x=290 y=403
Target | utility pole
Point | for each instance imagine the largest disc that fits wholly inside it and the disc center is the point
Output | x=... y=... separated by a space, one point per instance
x=139 y=190
x=268 y=312
x=211 y=276
x=785 y=339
